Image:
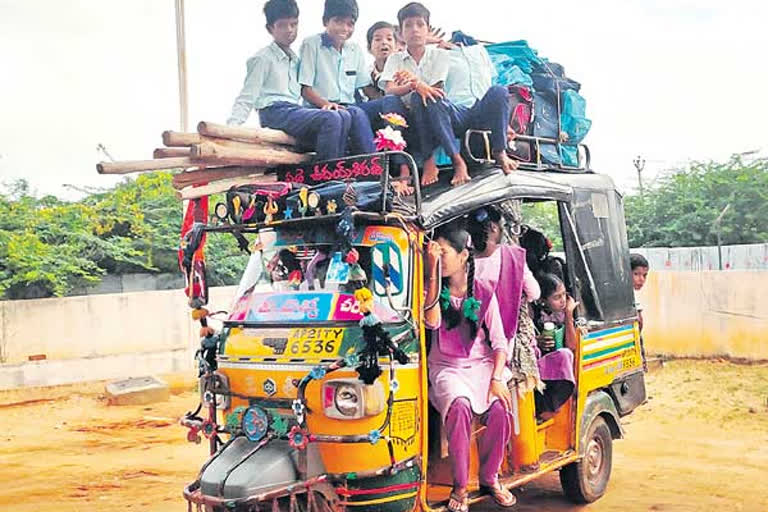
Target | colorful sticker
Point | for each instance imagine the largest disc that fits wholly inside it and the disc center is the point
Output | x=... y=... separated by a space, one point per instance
x=338 y=270
x=296 y=307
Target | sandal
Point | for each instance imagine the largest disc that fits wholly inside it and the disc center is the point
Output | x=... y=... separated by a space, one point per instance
x=458 y=502
x=500 y=495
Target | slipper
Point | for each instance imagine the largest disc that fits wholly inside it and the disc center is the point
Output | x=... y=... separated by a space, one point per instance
x=458 y=503
x=500 y=495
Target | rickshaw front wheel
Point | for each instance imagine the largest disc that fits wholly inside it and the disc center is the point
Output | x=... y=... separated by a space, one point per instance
x=586 y=480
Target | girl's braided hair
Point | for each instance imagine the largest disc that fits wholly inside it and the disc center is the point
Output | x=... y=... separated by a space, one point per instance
x=478 y=223
x=458 y=238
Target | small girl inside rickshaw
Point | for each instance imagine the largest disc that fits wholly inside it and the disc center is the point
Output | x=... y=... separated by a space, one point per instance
x=467 y=364
x=557 y=343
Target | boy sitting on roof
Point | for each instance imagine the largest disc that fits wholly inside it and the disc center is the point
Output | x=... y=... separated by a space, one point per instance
x=440 y=120
x=333 y=68
x=420 y=69
x=472 y=102
x=271 y=87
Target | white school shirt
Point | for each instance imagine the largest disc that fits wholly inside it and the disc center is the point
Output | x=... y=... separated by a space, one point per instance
x=432 y=68
x=470 y=75
x=272 y=76
x=334 y=75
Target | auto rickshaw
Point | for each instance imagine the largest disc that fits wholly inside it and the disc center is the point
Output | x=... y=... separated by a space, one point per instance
x=306 y=407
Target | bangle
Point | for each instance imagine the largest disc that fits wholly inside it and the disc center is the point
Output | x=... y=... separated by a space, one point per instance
x=497 y=379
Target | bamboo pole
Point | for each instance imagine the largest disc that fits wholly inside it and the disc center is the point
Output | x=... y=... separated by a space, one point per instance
x=223 y=186
x=203 y=177
x=264 y=135
x=144 y=165
x=171 y=152
x=180 y=139
x=217 y=154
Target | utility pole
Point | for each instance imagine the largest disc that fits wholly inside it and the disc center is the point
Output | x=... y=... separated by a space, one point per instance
x=639 y=163
x=181 y=56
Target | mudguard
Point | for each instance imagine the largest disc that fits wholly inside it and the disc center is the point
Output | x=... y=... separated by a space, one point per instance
x=271 y=466
x=599 y=403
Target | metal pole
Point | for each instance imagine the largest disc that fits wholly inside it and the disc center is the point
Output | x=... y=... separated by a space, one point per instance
x=181 y=54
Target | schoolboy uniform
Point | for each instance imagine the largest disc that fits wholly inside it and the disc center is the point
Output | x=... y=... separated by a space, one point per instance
x=432 y=69
x=471 y=101
x=336 y=75
x=272 y=87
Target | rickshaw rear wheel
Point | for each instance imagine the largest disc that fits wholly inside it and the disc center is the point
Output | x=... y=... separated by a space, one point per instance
x=586 y=480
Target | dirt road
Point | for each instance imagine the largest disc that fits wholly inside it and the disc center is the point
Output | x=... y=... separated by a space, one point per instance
x=700 y=444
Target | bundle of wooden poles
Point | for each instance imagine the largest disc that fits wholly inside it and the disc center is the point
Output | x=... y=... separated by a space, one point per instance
x=216 y=158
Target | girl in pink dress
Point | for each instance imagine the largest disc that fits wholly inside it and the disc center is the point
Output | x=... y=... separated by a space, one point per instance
x=467 y=364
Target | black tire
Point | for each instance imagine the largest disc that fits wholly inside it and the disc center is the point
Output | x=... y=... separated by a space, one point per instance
x=586 y=480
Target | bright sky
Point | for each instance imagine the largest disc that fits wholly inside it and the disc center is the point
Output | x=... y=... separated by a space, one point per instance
x=672 y=80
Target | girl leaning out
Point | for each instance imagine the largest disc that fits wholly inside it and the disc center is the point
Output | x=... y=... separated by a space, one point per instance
x=467 y=364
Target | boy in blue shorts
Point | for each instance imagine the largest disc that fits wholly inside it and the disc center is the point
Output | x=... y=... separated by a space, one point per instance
x=333 y=68
x=272 y=87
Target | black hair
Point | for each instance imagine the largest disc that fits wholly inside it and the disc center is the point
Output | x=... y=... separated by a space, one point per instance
x=637 y=260
x=280 y=9
x=478 y=224
x=458 y=238
x=378 y=26
x=340 y=9
x=413 y=10
x=549 y=284
x=537 y=249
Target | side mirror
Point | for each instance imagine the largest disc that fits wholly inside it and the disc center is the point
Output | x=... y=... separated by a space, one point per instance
x=387 y=269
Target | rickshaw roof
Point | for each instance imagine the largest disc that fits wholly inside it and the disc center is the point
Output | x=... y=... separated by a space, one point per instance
x=442 y=202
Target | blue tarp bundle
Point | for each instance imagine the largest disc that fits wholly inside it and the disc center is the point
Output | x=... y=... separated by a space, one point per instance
x=515 y=63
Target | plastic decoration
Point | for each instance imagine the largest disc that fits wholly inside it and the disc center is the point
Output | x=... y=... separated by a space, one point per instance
x=235 y=418
x=209 y=429
x=350 y=195
x=297 y=438
x=303 y=207
x=352 y=257
x=389 y=139
x=270 y=210
x=298 y=410
x=314 y=202
x=250 y=211
x=394 y=119
x=471 y=306
x=351 y=359
x=374 y=436
x=288 y=214
x=394 y=385
x=193 y=435
x=317 y=373
x=279 y=425
x=255 y=423
x=331 y=206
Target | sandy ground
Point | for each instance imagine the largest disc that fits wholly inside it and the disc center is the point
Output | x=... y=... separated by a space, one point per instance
x=701 y=443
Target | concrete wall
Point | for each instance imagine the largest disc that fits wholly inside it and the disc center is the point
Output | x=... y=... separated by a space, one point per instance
x=99 y=336
x=706 y=313
x=735 y=257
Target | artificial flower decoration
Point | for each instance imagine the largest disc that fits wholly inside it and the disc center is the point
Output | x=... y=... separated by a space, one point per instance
x=297 y=438
x=445 y=298
x=278 y=424
x=317 y=373
x=389 y=139
x=374 y=436
x=394 y=119
x=209 y=429
x=351 y=359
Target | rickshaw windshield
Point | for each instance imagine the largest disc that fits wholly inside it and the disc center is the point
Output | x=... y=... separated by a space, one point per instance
x=293 y=280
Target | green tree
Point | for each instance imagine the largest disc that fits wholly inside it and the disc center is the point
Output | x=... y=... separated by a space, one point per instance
x=52 y=246
x=680 y=209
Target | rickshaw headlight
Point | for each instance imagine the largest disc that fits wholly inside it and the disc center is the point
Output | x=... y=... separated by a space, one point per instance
x=347 y=400
x=350 y=399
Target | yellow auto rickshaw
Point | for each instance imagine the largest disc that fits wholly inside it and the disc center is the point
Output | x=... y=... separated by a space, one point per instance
x=305 y=411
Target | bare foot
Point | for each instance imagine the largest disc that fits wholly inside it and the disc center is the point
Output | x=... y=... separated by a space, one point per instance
x=460 y=172
x=507 y=164
x=430 y=172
